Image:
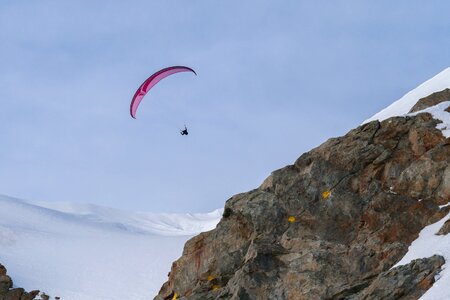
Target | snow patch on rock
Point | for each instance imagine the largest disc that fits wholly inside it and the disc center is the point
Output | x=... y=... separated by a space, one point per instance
x=438 y=112
x=427 y=245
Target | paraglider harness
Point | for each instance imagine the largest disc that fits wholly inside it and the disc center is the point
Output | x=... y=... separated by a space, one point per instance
x=184 y=132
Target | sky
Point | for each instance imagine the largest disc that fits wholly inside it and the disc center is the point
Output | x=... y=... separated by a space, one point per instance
x=273 y=82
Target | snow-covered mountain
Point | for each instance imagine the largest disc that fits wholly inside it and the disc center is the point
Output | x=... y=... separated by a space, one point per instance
x=91 y=252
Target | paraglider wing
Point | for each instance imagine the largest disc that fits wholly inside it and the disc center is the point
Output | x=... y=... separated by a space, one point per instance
x=151 y=82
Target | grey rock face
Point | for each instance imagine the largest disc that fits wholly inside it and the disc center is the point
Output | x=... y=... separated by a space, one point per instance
x=445 y=228
x=13 y=294
x=410 y=281
x=327 y=226
x=5 y=283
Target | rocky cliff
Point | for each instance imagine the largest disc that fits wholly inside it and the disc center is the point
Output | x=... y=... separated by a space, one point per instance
x=333 y=224
x=7 y=292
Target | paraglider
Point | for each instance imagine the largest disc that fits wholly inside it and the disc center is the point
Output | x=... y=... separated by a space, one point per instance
x=151 y=82
x=185 y=131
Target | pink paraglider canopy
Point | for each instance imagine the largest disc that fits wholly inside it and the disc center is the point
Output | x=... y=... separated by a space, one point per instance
x=151 y=82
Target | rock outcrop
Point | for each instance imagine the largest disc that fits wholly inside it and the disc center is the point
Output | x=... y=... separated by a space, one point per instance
x=7 y=292
x=445 y=228
x=431 y=100
x=405 y=282
x=332 y=225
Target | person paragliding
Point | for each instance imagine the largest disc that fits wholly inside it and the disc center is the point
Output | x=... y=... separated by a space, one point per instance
x=185 y=131
x=151 y=82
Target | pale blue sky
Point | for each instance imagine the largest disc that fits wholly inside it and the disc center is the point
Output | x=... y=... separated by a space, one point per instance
x=274 y=80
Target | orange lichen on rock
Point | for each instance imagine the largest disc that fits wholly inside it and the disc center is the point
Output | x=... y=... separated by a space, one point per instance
x=211 y=277
x=326 y=194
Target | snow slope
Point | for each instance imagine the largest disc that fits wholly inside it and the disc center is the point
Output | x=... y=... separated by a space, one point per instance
x=140 y=222
x=402 y=106
x=428 y=243
x=92 y=252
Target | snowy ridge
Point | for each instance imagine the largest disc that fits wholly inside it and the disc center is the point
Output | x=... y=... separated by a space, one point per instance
x=140 y=222
x=403 y=105
x=92 y=252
